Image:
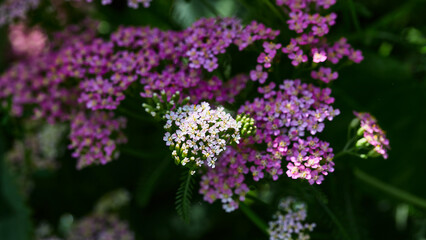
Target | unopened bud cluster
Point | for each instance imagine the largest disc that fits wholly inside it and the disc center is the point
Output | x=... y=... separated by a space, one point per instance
x=197 y=134
x=159 y=106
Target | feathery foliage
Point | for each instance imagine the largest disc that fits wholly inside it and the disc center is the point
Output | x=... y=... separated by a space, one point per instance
x=184 y=196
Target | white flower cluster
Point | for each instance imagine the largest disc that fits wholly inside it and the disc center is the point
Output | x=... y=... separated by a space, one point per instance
x=290 y=226
x=197 y=134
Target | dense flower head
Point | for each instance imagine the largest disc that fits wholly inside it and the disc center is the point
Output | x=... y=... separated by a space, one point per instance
x=372 y=134
x=226 y=180
x=289 y=221
x=284 y=118
x=294 y=110
x=208 y=38
x=94 y=138
x=198 y=134
x=310 y=159
x=11 y=10
x=101 y=227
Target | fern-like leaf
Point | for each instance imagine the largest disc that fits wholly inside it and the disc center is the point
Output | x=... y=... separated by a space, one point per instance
x=184 y=196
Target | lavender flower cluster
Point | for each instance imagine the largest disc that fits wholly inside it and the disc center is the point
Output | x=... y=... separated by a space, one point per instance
x=373 y=135
x=289 y=221
x=11 y=10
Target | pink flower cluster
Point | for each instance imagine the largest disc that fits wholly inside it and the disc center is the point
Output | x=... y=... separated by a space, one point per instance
x=210 y=38
x=91 y=137
x=309 y=159
x=283 y=117
x=226 y=180
x=26 y=41
x=373 y=134
x=311 y=28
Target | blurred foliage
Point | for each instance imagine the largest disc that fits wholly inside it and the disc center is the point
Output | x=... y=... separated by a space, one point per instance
x=390 y=83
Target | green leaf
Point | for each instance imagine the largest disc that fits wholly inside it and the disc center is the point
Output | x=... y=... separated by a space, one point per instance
x=184 y=196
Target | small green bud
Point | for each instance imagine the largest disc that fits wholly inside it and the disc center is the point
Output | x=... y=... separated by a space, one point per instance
x=373 y=153
x=354 y=123
x=360 y=131
x=361 y=143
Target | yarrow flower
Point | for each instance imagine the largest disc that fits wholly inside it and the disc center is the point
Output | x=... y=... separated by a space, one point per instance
x=311 y=28
x=283 y=118
x=289 y=221
x=197 y=134
x=310 y=159
x=94 y=138
x=226 y=180
x=372 y=136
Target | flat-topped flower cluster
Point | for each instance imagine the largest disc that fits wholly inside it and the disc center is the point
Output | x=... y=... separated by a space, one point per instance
x=284 y=118
x=199 y=134
x=289 y=221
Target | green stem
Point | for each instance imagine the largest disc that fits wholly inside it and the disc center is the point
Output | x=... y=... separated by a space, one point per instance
x=129 y=113
x=211 y=8
x=393 y=191
x=150 y=183
x=354 y=15
x=334 y=219
x=275 y=10
x=346 y=152
x=254 y=218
